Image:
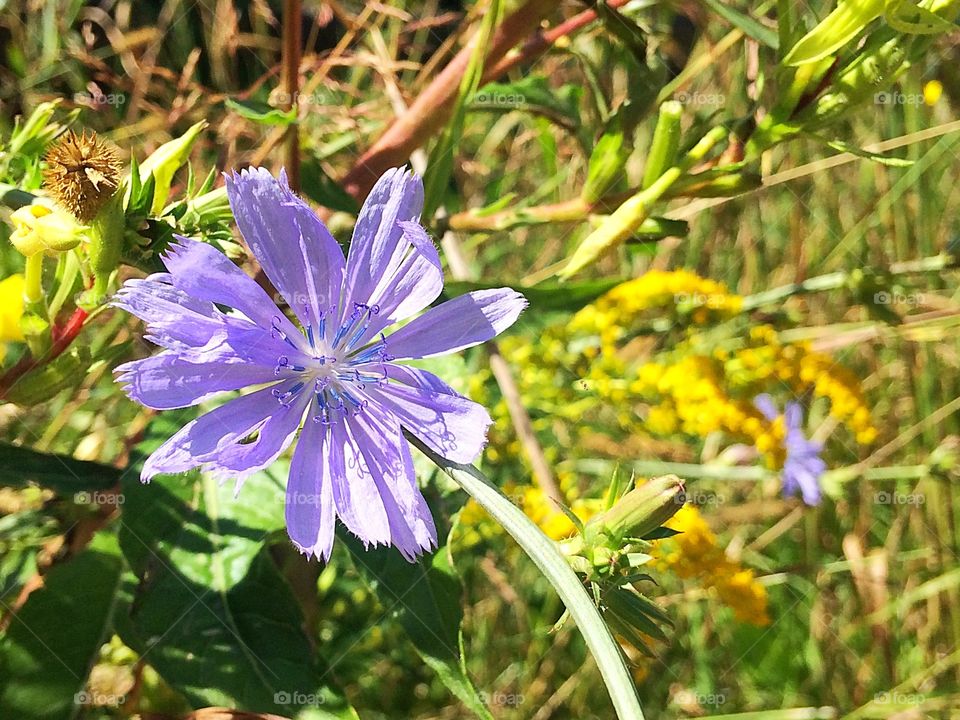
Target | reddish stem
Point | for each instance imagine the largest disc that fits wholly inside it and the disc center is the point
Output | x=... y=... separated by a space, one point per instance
x=61 y=335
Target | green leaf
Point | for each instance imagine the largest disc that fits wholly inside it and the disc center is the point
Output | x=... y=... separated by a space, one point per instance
x=607 y=161
x=532 y=94
x=836 y=30
x=860 y=152
x=545 y=296
x=425 y=598
x=554 y=566
x=321 y=188
x=440 y=164
x=52 y=642
x=219 y=621
x=746 y=24
x=20 y=466
x=261 y=113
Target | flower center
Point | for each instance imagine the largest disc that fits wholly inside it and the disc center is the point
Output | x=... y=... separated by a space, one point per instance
x=336 y=371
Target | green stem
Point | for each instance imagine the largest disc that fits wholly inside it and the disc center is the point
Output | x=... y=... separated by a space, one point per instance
x=554 y=566
x=33 y=279
x=666 y=140
x=836 y=280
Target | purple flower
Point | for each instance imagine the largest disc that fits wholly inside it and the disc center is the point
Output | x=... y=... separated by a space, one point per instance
x=804 y=466
x=337 y=376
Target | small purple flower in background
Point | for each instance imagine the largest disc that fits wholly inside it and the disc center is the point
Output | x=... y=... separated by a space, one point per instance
x=804 y=466
x=337 y=376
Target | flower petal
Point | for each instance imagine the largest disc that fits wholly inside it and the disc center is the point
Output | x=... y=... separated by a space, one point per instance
x=412 y=529
x=166 y=381
x=355 y=493
x=376 y=249
x=416 y=282
x=457 y=324
x=215 y=434
x=764 y=403
x=205 y=273
x=294 y=247
x=196 y=329
x=240 y=459
x=449 y=424
x=310 y=512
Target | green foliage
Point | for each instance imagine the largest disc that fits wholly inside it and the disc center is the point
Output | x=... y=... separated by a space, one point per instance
x=53 y=640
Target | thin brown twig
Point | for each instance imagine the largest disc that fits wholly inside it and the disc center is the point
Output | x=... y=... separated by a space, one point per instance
x=430 y=111
x=292 y=50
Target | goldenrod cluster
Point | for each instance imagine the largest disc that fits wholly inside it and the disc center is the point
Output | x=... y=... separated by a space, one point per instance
x=701 y=393
x=475 y=522
x=690 y=396
x=681 y=292
x=695 y=554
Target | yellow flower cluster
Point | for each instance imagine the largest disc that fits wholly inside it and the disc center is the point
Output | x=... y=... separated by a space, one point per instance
x=695 y=401
x=695 y=554
x=614 y=314
x=701 y=393
x=475 y=522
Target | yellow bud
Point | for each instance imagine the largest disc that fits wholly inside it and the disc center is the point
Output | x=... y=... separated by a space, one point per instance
x=932 y=92
x=40 y=229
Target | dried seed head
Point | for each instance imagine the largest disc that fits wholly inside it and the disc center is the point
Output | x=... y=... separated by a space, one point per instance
x=82 y=173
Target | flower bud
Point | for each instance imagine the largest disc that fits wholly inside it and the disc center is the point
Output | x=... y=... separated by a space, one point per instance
x=39 y=229
x=638 y=513
x=165 y=161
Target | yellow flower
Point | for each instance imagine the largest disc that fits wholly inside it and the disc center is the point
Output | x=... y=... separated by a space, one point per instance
x=11 y=309
x=39 y=229
x=696 y=554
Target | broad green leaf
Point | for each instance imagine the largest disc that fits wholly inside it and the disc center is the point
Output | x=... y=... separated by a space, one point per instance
x=261 y=113
x=20 y=466
x=321 y=188
x=546 y=555
x=219 y=621
x=425 y=599
x=52 y=642
x=545 y=296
